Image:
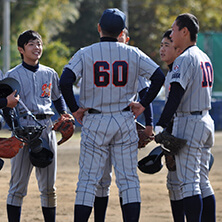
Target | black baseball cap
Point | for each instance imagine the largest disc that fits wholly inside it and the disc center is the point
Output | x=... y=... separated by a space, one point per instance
x=112 y=20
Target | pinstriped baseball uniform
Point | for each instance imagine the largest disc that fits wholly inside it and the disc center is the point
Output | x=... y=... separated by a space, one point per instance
x=38 y=90
x=109 y=90
x=194 y=71
x=103 y=188
x=173 y=184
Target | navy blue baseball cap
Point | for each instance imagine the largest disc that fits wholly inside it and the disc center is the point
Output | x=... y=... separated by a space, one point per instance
x=112 y=20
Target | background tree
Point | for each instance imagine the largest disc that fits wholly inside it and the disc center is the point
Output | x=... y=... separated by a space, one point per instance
x=67 y=25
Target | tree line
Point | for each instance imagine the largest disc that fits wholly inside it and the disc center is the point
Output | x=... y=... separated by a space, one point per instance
x=67 y=25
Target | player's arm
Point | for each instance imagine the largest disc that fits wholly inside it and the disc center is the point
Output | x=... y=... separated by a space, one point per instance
x=148 y=114
x=175 y=96
x=157 y=80
x=66 y=82
x=3 y=102
x=60 y=105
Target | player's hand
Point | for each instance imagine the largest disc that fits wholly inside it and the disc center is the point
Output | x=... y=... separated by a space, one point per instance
x=12 y=100
x=149 y=131
x=79 y=114
x=136 y=108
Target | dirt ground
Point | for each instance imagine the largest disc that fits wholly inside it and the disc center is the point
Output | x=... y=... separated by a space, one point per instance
x=155 y=203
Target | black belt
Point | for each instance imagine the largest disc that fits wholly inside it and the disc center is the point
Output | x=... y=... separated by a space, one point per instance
x=38 y=116
x=196 y=113
x=95 y=111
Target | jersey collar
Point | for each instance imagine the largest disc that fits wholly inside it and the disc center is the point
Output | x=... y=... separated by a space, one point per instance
x=29 y=67
x=170 y=66
x=108 y=39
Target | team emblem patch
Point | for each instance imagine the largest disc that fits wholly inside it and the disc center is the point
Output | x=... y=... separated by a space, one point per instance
x=176 y=68
x=46 y=90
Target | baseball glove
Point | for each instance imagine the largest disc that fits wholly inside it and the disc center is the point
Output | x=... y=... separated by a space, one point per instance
x=170 y=162
x=9 y=147
x=66 y=126
x=143 y=138
x=170 y=143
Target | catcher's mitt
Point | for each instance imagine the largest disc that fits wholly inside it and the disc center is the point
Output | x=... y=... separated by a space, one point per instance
x=143 y=138
x=170 y=143
x=9 y=147
x=66 y=126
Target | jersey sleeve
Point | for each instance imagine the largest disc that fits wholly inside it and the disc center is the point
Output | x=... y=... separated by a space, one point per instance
x=181 y=71
x=146 y=65
x=75 y=64
x=56 y=92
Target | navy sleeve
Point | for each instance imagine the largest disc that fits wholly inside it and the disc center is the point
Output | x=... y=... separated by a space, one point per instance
x=3 y=102
x=66 y=82
x=157 y=80
x=175 y=96
x=60 y=105
x=148 y=112
x=7 y=117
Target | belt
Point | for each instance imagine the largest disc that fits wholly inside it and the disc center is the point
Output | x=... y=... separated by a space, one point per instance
x=38 y=116
x=194 y=113
x=95 y=111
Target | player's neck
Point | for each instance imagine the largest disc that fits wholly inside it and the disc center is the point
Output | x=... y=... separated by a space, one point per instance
x=186 y=44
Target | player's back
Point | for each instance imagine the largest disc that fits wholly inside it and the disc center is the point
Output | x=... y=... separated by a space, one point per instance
x=109 y=72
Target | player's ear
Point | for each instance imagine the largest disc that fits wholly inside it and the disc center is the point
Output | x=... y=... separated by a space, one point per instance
x=127 y=39
x=98 y=28
x=185 y=31
x=21 y=50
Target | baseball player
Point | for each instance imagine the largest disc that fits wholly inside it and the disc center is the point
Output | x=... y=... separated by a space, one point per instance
x=191 y=81
x=39 y=88
x=103 y=188
x=109 y=72
x=168 y=53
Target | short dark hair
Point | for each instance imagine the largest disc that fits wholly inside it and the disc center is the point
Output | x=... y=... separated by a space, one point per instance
x=167 y=34
x=26 y=36
x=190 y=22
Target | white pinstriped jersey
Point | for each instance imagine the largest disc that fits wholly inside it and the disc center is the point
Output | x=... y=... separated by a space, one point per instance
x=110 y=77
x=194 y=71
x=38 y=89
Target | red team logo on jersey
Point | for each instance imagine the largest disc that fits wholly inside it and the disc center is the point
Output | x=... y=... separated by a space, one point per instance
x=46 y=90
x=176 y=68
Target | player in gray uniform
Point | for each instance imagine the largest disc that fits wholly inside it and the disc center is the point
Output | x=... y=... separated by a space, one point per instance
x=39 y=88
x=109 y=72
x=191 y=81
x=103 y=188
x=168 y=53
